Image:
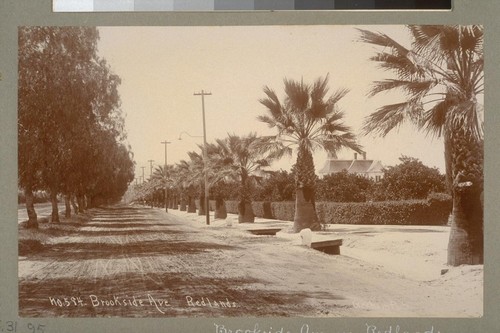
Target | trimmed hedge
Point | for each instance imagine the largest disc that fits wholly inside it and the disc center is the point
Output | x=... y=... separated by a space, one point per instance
x=410 y=212
x=232 y=206
x=433 y=211
x=265 y=209
x=284 y=210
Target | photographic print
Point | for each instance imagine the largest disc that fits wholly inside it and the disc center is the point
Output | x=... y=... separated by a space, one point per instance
x=251 y=171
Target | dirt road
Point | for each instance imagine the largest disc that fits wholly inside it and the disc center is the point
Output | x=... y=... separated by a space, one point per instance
x=132 y=261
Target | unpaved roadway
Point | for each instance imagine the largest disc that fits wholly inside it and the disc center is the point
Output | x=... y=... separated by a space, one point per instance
x=131 y=261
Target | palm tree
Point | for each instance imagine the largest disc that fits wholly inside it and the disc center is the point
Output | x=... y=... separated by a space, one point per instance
x=187 y=193
x=196 y=178
x=307 y=120
x=442 y=77
x=162 y=178
x=239 y=159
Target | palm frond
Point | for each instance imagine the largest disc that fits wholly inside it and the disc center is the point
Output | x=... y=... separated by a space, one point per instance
x=297 y=96
x=434 y=119
x=333 y=143
x=274 y=148
x=385 y=119
x=429 y=39
x=381 y=39
x=404 y=67
x=338 y=95
x=272 y=103
x=412 y=87
x=468 y=115
x=270 y=121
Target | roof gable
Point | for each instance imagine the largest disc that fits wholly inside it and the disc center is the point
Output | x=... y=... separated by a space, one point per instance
x=352 y=166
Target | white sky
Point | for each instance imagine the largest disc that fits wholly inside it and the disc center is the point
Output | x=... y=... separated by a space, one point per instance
x=161 y=68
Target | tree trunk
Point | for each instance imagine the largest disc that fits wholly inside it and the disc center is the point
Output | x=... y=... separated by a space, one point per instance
x=183 y=204
x=245 y=212
x=73 y=203
x=466 y=244
x=191 y=205
x=201 y=210
x=305 y=208
x=220 y=209
x=55 y=207
x=67 y=204
x=305 y=212
x=30 y=208
x=176 y=202
x=165 y=194
x=81 y=203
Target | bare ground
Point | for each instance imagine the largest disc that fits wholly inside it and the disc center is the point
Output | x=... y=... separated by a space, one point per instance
x=141 y=262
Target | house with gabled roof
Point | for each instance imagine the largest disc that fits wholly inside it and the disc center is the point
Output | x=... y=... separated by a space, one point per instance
x=364 y=167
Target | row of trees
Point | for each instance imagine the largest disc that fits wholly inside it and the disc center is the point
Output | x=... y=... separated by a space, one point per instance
x=70 y=127
x=440 y=77
x=410 y=179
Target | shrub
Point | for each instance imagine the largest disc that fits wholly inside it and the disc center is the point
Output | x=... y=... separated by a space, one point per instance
x=284 y=211
x=432 y=211
x=279 y=186
x=410 y=179
x=232 y=206
x=262 y=209
x=343 y=187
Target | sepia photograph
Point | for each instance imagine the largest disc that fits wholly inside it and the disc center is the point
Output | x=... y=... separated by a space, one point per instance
x=318 y=171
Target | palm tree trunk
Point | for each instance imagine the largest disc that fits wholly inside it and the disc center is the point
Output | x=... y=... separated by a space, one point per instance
x=220 y=208
x=191 y=205
x=30 y=208
x=201 y=210
x=305 y=212
x=245 y=210
x=466 y=244
x=176 y=202
x=305 y=208
x=55 y=207
x=165 y=197
x=183 y=203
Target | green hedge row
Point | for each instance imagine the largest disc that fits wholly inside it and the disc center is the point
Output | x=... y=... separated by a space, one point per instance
x=432 y=211
x=411 y=212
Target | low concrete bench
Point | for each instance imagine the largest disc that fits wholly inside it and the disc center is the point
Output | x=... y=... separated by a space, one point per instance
x=330 y=246
x=264 y=231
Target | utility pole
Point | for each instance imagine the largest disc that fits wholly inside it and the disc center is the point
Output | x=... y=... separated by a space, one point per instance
x=143 y=174
x=205 y=155
x=150 y=168
x=166 y=174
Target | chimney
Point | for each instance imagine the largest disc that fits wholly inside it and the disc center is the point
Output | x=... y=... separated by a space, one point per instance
x=355 y=156
x=364 y=155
